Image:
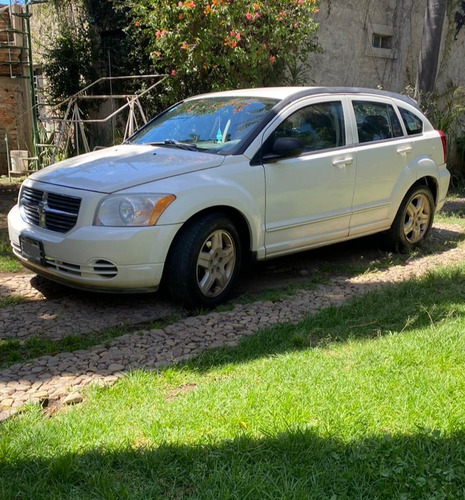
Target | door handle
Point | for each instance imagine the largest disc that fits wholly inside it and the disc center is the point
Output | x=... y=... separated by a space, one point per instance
x=344 y=162
x=404 y=151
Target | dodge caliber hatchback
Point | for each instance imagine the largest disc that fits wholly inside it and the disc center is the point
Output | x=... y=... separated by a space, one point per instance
x=224 y=177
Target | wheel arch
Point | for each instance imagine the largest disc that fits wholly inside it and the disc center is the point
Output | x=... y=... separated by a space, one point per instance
x=175 y=280
x=236 y=217
x=432 y=184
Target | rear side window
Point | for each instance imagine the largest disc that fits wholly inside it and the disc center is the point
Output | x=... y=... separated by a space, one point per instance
x=376 y=121
x=319 y=126
x=413 y=124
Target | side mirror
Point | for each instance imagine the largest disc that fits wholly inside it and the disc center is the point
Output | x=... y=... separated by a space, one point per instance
x=284 y=147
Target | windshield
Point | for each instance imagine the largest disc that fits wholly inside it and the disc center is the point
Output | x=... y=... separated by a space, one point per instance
x=216 y=124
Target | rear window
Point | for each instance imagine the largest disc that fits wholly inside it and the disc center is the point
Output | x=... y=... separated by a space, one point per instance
x=376 y=121
x=413 y=123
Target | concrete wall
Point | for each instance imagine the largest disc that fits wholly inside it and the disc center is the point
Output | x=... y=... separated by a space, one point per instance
x=346 y=36
x=348 y=57
x=346 y=29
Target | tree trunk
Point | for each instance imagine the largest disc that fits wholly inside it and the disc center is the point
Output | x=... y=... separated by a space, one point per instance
x=430 y=44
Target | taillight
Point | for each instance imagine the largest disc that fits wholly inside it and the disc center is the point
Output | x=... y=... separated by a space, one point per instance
x=444 y=144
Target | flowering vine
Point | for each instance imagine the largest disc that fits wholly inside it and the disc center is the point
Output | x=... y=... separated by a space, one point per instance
x=217 y=44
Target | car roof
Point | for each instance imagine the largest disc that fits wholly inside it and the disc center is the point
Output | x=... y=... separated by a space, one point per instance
x=292 y=93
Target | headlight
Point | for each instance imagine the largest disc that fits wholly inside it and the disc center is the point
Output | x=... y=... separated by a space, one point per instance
x=132 y=209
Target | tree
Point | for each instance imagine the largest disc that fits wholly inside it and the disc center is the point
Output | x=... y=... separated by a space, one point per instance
x=81 y=40
x=68 y=62
x=430 y=45
x=209 y=45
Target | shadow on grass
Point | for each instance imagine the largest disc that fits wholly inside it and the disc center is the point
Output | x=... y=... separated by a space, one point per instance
x=293 y=465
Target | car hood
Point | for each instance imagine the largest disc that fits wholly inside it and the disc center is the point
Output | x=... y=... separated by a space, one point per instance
x=120 y=167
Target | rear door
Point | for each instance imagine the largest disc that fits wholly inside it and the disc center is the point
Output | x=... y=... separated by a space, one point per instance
x=384 y=154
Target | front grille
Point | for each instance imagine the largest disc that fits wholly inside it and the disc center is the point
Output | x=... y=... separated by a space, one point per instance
x=52 y=211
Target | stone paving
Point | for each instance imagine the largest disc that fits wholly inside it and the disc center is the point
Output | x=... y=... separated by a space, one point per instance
x=56 y=311
x=53 y=378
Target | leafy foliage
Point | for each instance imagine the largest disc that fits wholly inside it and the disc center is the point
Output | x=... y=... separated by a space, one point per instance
x=68 y=59
x=209 y=45
x=446 y=112
x=87 y=38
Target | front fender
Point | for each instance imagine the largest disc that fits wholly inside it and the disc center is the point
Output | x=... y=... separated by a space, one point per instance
x=238 y=186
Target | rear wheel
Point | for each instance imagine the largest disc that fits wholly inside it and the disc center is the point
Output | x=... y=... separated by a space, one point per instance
x=413 y=220
x=204 y=262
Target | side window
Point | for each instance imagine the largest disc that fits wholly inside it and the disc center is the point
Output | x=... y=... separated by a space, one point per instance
x=319 y=126
x=395 y=123
x=412 y=122
x=376 y=121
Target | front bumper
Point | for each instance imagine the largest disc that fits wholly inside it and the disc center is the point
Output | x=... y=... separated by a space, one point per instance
x=95 y=257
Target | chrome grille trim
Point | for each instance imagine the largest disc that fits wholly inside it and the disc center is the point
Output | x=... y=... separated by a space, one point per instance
x=52 y=211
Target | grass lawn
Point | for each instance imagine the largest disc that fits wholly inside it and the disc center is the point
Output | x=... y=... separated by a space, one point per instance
x=364 y=401
x=7 y=262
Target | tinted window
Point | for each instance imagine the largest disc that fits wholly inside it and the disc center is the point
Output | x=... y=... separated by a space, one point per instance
x=376 y=121
x=412 y=123
x=320 y=126
x=395 y=123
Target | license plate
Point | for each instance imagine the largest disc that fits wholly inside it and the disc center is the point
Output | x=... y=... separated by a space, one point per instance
x=32 y=250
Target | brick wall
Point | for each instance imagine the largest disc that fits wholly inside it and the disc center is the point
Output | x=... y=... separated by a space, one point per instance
x=14 y=118
x=14 y=92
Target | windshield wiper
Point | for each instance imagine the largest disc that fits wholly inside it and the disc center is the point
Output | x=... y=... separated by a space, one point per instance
x=176 y=144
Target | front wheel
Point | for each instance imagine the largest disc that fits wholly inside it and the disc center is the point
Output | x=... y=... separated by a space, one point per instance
x=413 y=220
x=204 y=262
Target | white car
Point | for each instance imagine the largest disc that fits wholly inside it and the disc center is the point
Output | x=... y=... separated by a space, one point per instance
x=229 y=176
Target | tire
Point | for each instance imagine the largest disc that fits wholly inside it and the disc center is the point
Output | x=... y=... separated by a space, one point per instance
x=204 y=262
x=413 y=220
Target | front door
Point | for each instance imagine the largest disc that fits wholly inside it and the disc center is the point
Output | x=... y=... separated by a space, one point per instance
x=309 y=198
